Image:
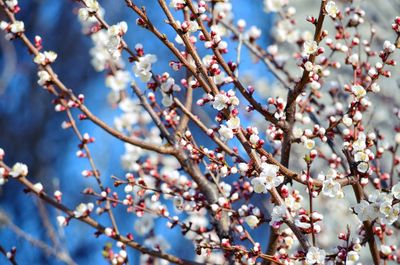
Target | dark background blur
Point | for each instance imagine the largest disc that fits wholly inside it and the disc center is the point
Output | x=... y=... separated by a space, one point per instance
x=30 y=129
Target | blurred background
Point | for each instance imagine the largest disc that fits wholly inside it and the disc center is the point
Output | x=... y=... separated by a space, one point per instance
x=30 y=129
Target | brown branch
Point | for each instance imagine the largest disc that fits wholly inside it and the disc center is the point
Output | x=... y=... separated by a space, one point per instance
x=190 y=48
x=193 y=170
x=296 y=177
x=368 y=226
x=238 y=249
x=163 y=38
x=274 y=193
x=290 y=109
x=47 y=249
x=262 y=55
x=99 y=228
x=51 y=233
x=95 y=171
x=154 y=116
x=204 y=128
x=305 y=77
x=11 y=260
x=254 y=103
x=276 y=197
x=206 y=187
x=81 y=106
x=183 y=123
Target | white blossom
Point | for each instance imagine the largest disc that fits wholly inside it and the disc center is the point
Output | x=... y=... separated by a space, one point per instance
x=292 y=203
x=220 y=101
x=233 y=100
x=19 y=170
x=101 y=56
x=389 y=214
x=225 y=132
x=113 y=46
x=388 y=46
x=17 y=27
x=315 y=85
x=372 y=72
x=176 y=3
x=3 y=178
x=331 y=188
x=244 y=167
x=360 y=144
x=297 y=132
x=224 y=9
x=46 y=57
x=144 y=224
x=92 y=5
x=361 y=156
x=37 y=187
x=114 y=41
x=233 y=123
x=301 y=224
x=40 y=58
x=353 y=59
x=352 y=257
x=44 y=77
x=375 y=88
x=362 y=167
x=61 y=220
x=167 y=100
x=82 y=209
x=190 y=26
x=253 y=33
x=331 y=9
x=259 y=185
x=279 y=212
x=108 y=231
x=269 y=169
x=267 y=179
x=118 y=29
x=397 y=138
x=254 y=138
x=310 y=47
x=118 y=81
x=364 y=211
x=83 y=14
x=169 y=85
x=347 y=120
x=309 y=66
x=142 y=67
x=378 y=205
x=3 y=25
x=309 y=144
x=358 y=91
x=274 y=5
x=252 y=221
x=386 y=250
x=315 y=256
x=132 y=154
x=11 y=3
x=269 y=173
x=396 y=191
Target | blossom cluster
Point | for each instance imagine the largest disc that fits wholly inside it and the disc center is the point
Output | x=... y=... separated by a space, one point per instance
x=304 y=154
